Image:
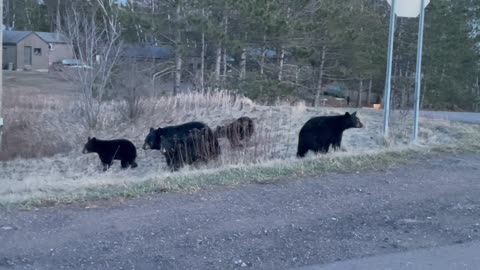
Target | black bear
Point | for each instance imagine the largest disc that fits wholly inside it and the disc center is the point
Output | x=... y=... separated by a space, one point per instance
x=184 y=144
x=239 y=130
x=110 y=150
x=320 y=132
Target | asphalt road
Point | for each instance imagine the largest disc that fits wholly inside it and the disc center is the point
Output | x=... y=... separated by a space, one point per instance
x=294 y=223
x=466 y=117
x=456 y=257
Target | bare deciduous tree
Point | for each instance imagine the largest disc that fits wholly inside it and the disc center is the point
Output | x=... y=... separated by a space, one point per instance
x=94 y=30
x=131 y=82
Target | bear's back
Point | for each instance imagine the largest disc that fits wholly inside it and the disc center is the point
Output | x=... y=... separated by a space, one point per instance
x=318 y=123
x=183 y=129
x=121 y=144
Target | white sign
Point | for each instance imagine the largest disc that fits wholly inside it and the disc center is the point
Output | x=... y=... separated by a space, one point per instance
x=408 y=8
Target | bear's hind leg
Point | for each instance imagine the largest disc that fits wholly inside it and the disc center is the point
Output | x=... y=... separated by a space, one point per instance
x=106 y=166
x=124 y=164
x=133 y=164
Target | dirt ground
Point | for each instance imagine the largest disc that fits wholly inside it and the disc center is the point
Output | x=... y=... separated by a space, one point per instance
x=432 y=201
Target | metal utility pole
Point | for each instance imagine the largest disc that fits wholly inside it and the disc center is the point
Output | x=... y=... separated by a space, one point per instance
x=388 y=79
x=418 y=75
x=1 y=73
x=409 y=9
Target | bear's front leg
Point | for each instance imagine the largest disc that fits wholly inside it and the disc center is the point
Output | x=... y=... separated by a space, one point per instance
x=106 y=166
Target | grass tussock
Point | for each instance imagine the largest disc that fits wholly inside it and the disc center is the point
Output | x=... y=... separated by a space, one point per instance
x=43 y=163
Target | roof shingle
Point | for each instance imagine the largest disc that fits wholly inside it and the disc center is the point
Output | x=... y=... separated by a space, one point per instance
x=50 y=37
x=13 y=37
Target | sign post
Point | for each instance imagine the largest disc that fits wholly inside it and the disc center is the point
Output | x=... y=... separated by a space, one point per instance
x=1 y=73
x=388 y=79
x=411 y=9
x=418 y=75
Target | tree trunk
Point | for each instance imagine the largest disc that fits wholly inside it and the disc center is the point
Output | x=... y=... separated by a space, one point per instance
x=243 y=64
x=282 y=60
x=224 y=74
x=137 y=27
x=262 y=57
x=320 y=77
x=477 y=86
x=7 y=12
x=202 y=63
x=369 y=93
x=218 y=62
x=477 y=92
x=58 y=26
x=1 y=79
x=359 y=96
x=405 y=93
x=178 y=73
x=178 y=56
x=27 y=15
x=12 y=25
x=422 y=99
x=442 y=76
x=297 y=74
x=405 y=101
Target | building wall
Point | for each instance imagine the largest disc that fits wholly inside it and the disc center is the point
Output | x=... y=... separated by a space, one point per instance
x=9 y=55
x=39 y=61
x=60 y=51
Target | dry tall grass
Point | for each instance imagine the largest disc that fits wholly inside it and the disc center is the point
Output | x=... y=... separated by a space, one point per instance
x=44 y=140
x=42 y=128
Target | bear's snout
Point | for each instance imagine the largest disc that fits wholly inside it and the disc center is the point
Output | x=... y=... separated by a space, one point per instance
x=359 y=125
x=145 y=147
x=84 y=151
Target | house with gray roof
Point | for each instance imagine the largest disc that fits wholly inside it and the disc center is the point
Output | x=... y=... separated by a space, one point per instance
x=34 y=50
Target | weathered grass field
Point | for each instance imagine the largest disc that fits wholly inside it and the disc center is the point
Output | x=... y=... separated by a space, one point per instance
x=47 y=133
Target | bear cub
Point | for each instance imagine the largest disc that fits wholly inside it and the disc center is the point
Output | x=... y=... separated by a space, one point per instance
x=110 y=150
x=237 y=131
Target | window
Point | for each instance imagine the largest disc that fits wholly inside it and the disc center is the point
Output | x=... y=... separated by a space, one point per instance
x=51 y=46
x=37 y=51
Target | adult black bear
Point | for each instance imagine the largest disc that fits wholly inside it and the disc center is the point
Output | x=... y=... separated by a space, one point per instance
x=184 y=144
x=239 y=130
x=110 y=150
x=320 y=132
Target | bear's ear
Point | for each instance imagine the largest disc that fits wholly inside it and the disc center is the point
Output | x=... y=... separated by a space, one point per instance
x=354 y=114
x=89 y=139
x=158 y=131
x=152 y=129
x=347 y=114
x=93 y=139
